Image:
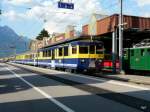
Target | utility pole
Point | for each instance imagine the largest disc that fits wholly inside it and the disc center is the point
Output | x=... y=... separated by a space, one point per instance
x=121 y=36
x=0 y=13
x=0 y=7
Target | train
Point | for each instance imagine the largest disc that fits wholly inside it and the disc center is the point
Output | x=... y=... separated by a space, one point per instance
x=137 y=58
x=84 y=55
x=73 y=55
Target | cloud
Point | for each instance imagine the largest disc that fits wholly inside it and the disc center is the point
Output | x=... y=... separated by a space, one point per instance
x=19 y=2
x=57 y=19
x=142 y=3
x=147 y=14
x=13 y=16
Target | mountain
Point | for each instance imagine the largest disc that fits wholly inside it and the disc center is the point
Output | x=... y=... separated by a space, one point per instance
x=9 y=40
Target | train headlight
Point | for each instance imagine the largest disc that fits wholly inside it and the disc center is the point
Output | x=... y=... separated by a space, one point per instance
x=99 y=61
x=82 y=61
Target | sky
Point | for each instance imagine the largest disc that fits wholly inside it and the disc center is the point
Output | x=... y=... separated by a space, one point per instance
x=29 y=17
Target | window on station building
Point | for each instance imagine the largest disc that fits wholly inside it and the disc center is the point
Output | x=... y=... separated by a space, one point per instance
x=66 y=51
x=92 y=49
x=60 y=51
x=83 y=49
x=74 y=49
x=99 y=49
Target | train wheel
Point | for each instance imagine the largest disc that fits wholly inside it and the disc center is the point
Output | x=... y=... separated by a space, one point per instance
x=68 y=70
x=74 y=71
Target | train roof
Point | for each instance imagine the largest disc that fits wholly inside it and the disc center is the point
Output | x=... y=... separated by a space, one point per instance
x=28 y=52
x=83 y=39
x=139 y=47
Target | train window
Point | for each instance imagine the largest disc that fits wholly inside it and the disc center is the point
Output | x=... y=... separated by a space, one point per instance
x=38 y=54
x=142 y=52
x=124 y=52
x=132 y=52
x=99 y=49
x=31 y=56
x=148 y=51
x=66 y=51
x=92 y=49
x=60 y=51
x=46 y=53
x=74 y=49
x=83 y=49
x=49 y=53
x=56 y=52
x=43 y=53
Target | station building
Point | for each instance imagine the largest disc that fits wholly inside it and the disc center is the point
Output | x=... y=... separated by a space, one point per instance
x=101 y=27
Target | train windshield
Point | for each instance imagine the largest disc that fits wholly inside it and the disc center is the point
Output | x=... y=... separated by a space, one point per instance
x=99 y=49
x=92 y=49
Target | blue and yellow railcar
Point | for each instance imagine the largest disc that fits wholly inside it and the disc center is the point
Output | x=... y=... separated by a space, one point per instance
x=25 y=58
x=73 y=55
x=79 y=55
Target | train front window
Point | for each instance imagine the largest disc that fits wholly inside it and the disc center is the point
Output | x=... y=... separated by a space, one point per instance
x=92 y=49
x=83 y=49
x=99 y=49
x=125 y=52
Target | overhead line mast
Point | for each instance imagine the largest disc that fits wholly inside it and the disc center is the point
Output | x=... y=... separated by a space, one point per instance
x=121 y=36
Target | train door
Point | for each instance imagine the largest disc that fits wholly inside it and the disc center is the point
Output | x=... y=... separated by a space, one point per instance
x=91 y=53
x=34 y=59
x=148 y=59
x=53 y=59
x=143 y=59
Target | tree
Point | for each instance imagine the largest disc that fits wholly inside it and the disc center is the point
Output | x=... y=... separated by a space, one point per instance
x=42 y=34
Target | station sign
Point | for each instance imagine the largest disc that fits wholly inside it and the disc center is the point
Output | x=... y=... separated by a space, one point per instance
x=65 y=5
